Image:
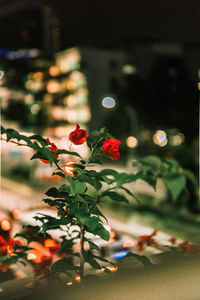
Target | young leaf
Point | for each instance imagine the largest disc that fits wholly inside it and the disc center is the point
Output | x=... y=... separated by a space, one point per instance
x=63 y=151
x=151 y=160
x=115 y=196
x=143 y=259
x=62 y=265
x=175 y=184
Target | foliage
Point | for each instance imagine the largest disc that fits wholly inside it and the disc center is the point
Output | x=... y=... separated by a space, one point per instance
x=76 y=208
x=173 y=175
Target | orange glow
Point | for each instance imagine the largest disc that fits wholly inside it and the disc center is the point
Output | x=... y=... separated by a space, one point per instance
x=52 y=246
x=49 y=243
x=54 y=71
x=6 y=225
x=70 y=85
x=78 y=278
x=112 y=235
x=69 y=169
x=128 y=244
x=38 y=76
x=53 y=87
x=112 y=268
x=69 y=283
x=17 y=214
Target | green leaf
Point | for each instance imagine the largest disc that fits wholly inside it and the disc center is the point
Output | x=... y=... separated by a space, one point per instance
x=191 y=177
x=64 y=189
x=115 y=196
x=8 y=259
x=175 y=184
x=143 y=259
x=59 y=174
x=130 y=194
x=63 y=151
x=55 y=223
x=53 y=192
x=93 y=246
x=3 y=130
x=40 y=139
x=151 y=160
x=94 y=264
x=76 y=186
x=66 y=246
x=62 y=265
x=92 y=181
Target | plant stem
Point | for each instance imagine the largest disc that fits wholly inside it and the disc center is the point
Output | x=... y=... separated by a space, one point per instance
x=87 y=161
x=82 y=249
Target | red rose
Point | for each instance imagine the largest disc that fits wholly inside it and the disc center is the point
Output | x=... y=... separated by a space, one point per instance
x=78 y=136
x=111 y=148
x=53 y=149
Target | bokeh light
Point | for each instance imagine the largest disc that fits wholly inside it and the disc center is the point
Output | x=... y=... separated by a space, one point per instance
x=131 y=142
x=108 y=102
x=160 y=138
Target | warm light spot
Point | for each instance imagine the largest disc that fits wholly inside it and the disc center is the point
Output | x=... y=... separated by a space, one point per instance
x=198 y=85
x=70 y=85
x=128 y=244
x=160 y=138
x=53 y=87
x=78 y=278
x=1 y=74
x=177 y=139
x=17 y=214
x=69 y=169
x=131 y=142
x=69 y=283
x=31 y=256
x=38 y=76
x=70 y=101
x=35 y=108
x=129 y=69
x=50 y=243
x=54 y=71
x=112 y=235
x=108 y=102
x=6 y=225
x=112 y=268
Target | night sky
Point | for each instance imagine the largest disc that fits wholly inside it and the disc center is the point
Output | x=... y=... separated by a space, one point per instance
x=107 y=23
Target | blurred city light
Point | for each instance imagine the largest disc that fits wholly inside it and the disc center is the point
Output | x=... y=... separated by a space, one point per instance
x=177 y=139
x=54 y=71
x=198 y=85
x=108 y=102
x=128 y=244
x=17 y=214
x=1 y=74
x=131 y=142
x=53 y=87
x=78 y=278
x=160 y=138
x=5 y=225
x=69 y=168
x=129 y=69
x=120 y=254
x=112 y=268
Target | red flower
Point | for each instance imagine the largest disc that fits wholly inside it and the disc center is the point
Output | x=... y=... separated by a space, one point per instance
x=10 y=246
x=173 y=240
x=147 y=240
x=3 y=246
x=53 y=149
x=78 y=136
x=111 y=148
x=190 y=249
